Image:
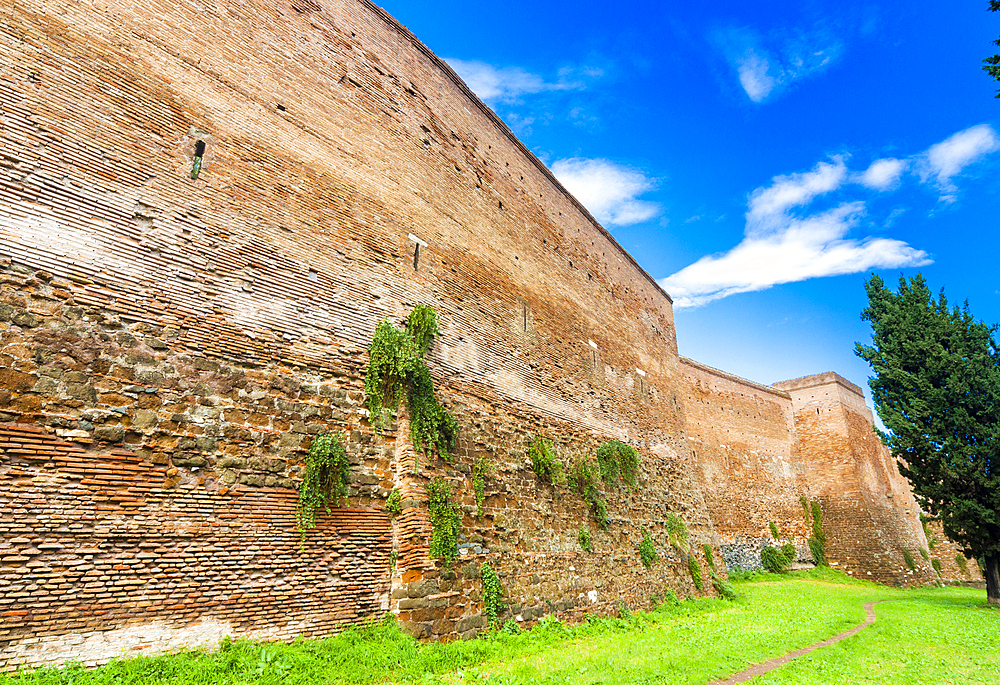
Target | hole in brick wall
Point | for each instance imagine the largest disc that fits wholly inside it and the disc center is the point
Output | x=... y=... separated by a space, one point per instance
x=313 y=276
x=416 y=256
x=281 y=108
x=501 y=204
x=199 y=153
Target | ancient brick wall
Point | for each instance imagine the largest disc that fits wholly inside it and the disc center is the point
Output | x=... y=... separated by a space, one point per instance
x=741 y=435
x=869 y=514
x=191 y=336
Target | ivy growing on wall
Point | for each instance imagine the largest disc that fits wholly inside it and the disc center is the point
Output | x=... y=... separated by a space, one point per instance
x=583 y=537
x=774 y=531
x=492 y=592
x=707 y=548
x=694 y=568
x=677 y=530
x=908 y=560
x=394 y=503
x=817 y=543
x=397 y=372
x=963 y=564
x=647 y=551
x=583 y=480
x=446 y=521
x=617 y=460
x=544 y=461
x=323 y=482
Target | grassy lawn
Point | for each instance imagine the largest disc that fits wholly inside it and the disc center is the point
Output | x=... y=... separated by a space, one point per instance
x=924 y=636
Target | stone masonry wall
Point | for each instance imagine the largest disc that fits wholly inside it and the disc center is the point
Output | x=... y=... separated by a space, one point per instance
x=741 y=435
x=869 y=514
x=187 y=338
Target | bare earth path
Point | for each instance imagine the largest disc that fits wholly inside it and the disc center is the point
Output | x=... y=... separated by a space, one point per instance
x=760 y=669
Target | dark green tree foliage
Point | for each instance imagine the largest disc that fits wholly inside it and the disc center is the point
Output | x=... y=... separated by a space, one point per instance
x=324 y=481
x=992 y=64
x=936 y=387
x=446 y=521
x=397 y=372
x=617 y=460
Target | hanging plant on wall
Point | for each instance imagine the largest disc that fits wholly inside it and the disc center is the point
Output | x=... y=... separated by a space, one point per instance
x=482 y=468
x=618 y=460
x=446 y=521
x=492 y=593
x=397 y=373
x=324 y=481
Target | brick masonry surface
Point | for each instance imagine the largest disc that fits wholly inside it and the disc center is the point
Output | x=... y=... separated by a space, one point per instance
x=170 y=346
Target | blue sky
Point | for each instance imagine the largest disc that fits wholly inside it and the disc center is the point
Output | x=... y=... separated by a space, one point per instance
x=758 y=159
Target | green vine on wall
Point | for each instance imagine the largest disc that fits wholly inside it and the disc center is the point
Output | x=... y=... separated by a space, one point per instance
x=583 y=537
x=492 y=593
x=817 y=543
x=647 y=551
x=583 y=479
x=323 y=482
x=617 y=460
x=394 y=503
x=446 y=521
x=544 y=461
x=677 y=530
x=397 y=372
x=694 y=568
x=707 y=549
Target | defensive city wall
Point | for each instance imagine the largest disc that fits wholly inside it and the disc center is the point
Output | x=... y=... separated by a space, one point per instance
x=170 y=346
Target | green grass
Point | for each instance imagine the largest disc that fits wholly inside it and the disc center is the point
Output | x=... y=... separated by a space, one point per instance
x=934 y=635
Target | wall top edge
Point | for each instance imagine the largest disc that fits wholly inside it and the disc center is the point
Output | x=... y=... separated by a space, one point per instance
x=502 y=127
x=736 y=379
x=819 y=379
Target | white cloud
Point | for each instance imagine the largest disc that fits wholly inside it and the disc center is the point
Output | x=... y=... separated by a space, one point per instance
x=883 y=174
x=769 y=65
x=752 y=69
x=507 y=84
x=779 y=247
x=945 y=160
x=609 y=191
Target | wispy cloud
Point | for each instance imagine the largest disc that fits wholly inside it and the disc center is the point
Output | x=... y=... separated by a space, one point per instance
x=883 y=174
x=767 y=65
x=945 y=160
x=609 y=191
x=507 y=84
x=780 y=247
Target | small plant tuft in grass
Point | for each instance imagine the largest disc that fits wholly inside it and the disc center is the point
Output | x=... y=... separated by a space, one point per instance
x=647 y=551
x=725 y=590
